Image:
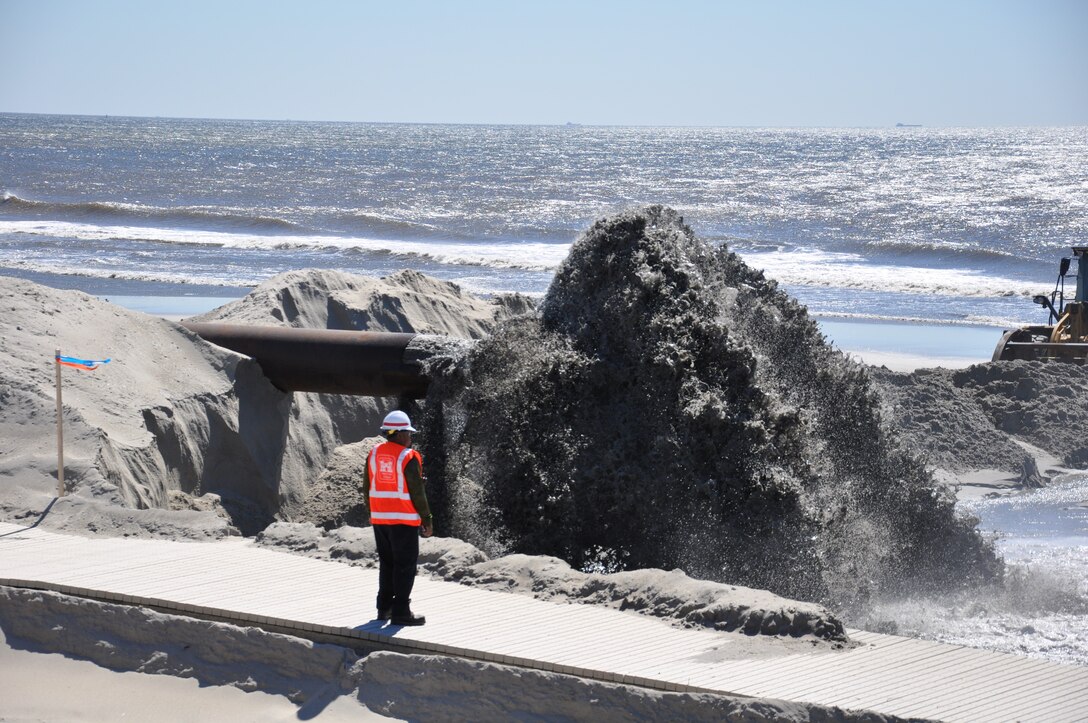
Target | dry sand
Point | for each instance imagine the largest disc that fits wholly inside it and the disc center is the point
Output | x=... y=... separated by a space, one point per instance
x=175 y=425
x=160 y=375
x=51 y=686
x=176 y=438
x=406 y=301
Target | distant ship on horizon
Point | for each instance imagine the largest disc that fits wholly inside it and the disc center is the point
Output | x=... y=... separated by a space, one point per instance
x=908 y=125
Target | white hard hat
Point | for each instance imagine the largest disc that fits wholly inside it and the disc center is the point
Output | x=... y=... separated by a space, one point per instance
x=397 y=421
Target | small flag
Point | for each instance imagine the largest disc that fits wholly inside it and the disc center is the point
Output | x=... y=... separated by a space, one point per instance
x=85 y=364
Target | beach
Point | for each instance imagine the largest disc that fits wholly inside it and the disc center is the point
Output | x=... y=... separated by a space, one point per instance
x=53 y=686
x=798 y=345
x=42 y=659
x=180 y=510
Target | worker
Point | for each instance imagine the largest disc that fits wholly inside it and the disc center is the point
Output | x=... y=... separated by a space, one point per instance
x=397 y=499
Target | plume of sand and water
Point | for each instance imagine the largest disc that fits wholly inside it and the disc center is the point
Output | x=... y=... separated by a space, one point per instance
x=670 y=407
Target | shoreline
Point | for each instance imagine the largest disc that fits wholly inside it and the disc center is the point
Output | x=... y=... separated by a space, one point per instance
x=906 y=346
x=901 y=346
x=898 y=344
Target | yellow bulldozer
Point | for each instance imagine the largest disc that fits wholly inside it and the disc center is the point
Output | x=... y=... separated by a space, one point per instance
x=1065 y=335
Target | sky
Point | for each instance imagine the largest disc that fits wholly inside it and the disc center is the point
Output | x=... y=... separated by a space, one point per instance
x=679 y=62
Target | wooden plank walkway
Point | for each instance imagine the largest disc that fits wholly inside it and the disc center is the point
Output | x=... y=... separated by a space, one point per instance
x=238 y=582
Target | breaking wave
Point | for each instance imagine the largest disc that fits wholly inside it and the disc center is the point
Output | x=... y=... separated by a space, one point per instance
x=394 y=227
x=814 y=267
x=529 y=256
x=123 y=274
x=800 y=267
x=109 y=211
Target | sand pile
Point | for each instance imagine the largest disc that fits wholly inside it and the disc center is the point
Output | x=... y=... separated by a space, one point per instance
x=672 y=595
x=670 y=407
x=978 y=417
x=178 y=437
x=406 y=301
x=168 y=424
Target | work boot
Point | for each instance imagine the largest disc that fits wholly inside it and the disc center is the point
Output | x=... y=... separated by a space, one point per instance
x=385 y=613
x=408 y=619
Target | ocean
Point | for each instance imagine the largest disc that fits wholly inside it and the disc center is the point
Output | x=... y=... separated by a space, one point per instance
x=934 y=225
x=953 y=227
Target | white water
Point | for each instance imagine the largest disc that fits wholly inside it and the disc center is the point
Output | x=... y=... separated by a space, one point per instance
x=802 y=266
x=1042 y=609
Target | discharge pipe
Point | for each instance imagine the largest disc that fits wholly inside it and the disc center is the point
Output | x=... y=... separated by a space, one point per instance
x=364 y=363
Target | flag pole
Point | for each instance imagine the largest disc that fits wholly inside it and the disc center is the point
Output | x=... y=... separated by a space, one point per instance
x=60 y=432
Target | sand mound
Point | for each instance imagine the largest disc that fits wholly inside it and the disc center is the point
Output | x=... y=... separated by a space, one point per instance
x=166 y=421
x=177 y=437
x=671 y=595
x=335 y=498
x=973 y=418
x=406 y=301
x=943 y=423
x=1042 y=404
x=670 y=407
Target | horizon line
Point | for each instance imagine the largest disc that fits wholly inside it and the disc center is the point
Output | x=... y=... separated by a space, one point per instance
x=566 y=124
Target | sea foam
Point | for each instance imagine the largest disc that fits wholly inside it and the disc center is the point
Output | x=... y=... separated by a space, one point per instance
x=529 y=256
x=800 y=267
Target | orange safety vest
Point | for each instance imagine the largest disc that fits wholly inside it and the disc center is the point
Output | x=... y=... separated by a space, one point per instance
x=390 y=503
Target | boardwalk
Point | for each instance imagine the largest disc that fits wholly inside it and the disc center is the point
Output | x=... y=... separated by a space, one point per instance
x=235 y=581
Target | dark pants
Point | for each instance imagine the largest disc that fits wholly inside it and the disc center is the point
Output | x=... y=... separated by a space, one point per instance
x=398 y=550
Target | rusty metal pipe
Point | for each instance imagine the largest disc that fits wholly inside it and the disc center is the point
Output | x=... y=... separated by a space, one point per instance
x=366 y=363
